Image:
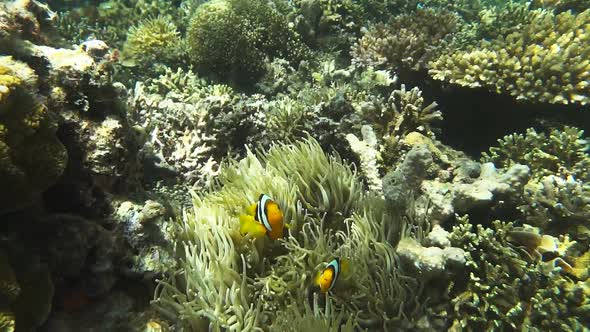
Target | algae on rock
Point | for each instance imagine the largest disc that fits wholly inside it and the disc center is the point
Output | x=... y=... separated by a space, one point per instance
x=31 y=157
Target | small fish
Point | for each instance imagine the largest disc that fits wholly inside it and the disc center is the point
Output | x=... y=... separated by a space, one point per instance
x=264 y=218
x=419 y=6
x=327 y=278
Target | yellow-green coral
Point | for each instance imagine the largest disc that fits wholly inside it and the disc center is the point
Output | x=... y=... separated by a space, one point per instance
x=545 y=61
x=258 y=282
x=31 y=157
x=154 y=39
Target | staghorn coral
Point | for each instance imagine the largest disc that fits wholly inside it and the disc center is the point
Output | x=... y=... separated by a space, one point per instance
x=259 y=282
x=403 y=112
x=557 y=205
x=560 y=152
x=408 y=41
x=545 y=61
x=502 y=20
x=154 y=39
x=32 y=158
x=505 y=289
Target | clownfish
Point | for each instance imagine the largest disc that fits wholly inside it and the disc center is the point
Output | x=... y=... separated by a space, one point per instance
x=264 y=218
x=326 y=279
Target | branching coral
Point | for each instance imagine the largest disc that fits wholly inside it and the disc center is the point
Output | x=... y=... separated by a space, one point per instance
x=229 y=281
x=558 y=6
x=562 y=152
x=408 y=41
x=368 y=155
x=403 y=112
x=506 y=290
x=545 y=61
x=557 y=205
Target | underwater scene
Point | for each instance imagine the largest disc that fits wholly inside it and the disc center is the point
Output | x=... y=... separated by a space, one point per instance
x=294 y=165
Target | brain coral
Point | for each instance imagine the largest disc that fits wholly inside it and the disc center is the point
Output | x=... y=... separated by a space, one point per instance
x=31 y=157
x=548 y=60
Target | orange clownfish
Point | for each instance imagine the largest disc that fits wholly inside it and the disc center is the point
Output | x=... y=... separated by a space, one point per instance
x=264 y=218
x=326 y=279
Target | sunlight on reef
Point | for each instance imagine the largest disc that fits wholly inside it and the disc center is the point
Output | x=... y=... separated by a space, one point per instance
x=305 y=165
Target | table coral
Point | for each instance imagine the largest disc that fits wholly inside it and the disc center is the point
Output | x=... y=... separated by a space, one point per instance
x=546 y=61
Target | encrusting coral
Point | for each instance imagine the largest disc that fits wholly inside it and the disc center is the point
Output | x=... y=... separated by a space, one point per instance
x=545 y=61
x=31 y=156
x=258 y=282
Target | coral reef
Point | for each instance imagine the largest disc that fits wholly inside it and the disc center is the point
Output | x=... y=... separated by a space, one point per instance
x=556 y=197
x=129 y=176
x=545 y=61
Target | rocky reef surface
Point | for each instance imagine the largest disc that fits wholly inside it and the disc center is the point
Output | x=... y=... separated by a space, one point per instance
x=433 y=150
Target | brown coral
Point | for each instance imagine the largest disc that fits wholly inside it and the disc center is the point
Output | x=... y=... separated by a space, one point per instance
x=408 y=41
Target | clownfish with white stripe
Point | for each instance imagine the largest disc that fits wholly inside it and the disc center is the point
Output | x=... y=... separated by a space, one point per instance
x=327 y=278
x=263 y=218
